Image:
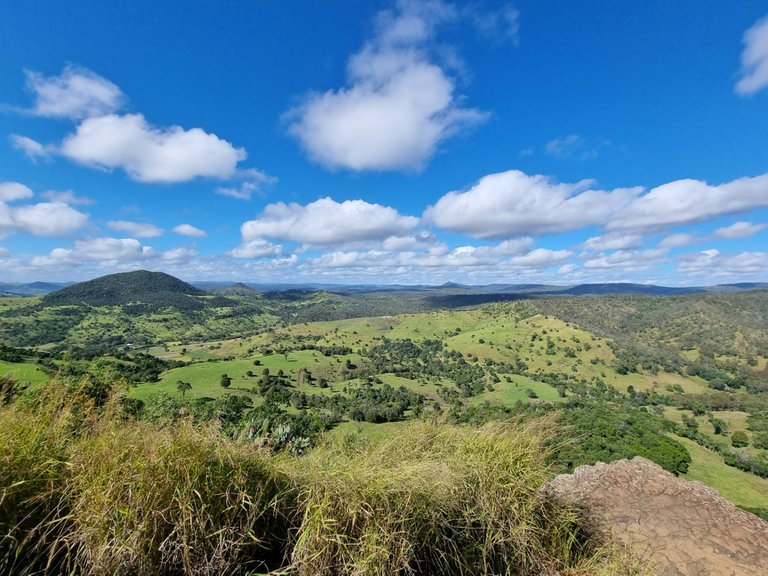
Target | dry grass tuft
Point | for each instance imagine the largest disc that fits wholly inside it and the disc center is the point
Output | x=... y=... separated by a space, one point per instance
x=86 y=490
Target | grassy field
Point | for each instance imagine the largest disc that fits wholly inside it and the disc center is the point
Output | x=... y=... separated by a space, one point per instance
x=741 y=488
x=205 y=377
x=496 y=333
x=24 y=372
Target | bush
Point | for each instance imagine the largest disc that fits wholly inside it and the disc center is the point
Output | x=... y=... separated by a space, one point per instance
x=739 y=439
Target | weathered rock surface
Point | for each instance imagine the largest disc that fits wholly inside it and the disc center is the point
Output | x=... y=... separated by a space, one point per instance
x=682 y=528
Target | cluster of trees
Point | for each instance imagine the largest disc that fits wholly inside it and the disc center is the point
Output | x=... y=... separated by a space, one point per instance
x=425 y=359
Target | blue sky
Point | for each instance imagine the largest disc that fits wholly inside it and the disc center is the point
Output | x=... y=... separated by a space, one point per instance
x=418 y=141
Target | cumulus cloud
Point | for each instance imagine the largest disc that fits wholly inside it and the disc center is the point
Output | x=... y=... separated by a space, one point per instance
x=513 y=203
x=398 y=106
x=540 y=258
x=257 y=248
x=179 y=254
x=66 y=196
x=48 y=219
x=714 y=263
x=10 y=191
x=688 y=201
x=327 y=222
x=739 y=230
x=679 y=240
x=96 y=249
x=754 y=59
x=612 y=242
x=189 y=230
x=481 y=262
x=41 y=219
x=151 y=154
x=626 y=260
x=137 y=229
x=107 y=139
x=77 y=93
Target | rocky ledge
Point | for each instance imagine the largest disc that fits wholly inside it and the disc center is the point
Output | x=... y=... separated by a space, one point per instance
x=681 y=528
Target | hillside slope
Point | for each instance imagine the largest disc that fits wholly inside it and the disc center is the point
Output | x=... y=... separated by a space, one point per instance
x=140 y=286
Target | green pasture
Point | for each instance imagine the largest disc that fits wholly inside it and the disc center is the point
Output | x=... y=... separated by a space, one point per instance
x=24 y=372
x=741 y=488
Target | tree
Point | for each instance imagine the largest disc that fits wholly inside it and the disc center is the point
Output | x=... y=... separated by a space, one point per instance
x=182 y=387
x=739 y=439
x=225 y=381
x=720 y=426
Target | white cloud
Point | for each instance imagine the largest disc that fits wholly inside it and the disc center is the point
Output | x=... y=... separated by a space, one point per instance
x=189 y=230
x=109 y=140
x=626 y=260
x=514 y=204
x=327 y=222
x=151 y=154
x=254 y=182
x=256 y=248
x=488 y=260
x=541 y=258
x=137 y=229
x=43 y=219
x=754 y=59
x=398 y=106
x=712 y=263
x=613 y=242
x=678 y=240
x=10 y=191
x=739 y=230
x=179 y=254
x=66 y=196
x=96 y=249
x=32 y=148
x=688 y=201
x=78 y=93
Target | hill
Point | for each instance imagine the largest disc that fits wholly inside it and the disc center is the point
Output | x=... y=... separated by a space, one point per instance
x=238 y=289
x=141 y=286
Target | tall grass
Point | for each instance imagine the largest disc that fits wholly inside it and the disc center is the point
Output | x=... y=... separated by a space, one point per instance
x=436 y=499
x=86 y=490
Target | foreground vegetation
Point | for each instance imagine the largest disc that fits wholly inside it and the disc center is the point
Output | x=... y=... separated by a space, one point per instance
x=85 y=488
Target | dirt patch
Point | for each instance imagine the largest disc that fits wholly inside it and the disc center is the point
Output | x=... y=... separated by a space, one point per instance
x=682 y=528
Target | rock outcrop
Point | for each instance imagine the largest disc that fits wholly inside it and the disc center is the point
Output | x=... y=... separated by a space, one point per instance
x=681 y=528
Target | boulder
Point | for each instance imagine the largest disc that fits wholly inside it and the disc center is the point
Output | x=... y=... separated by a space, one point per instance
x=679 y=527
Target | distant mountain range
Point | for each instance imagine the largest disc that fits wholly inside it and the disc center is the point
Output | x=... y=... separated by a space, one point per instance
x=30 y=288
x=142 y=281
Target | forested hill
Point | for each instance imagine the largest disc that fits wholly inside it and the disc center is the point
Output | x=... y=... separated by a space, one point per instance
x=155 y=288
x=716 y=324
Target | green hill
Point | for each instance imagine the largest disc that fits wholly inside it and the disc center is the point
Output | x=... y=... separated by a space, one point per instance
x=144 y=287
